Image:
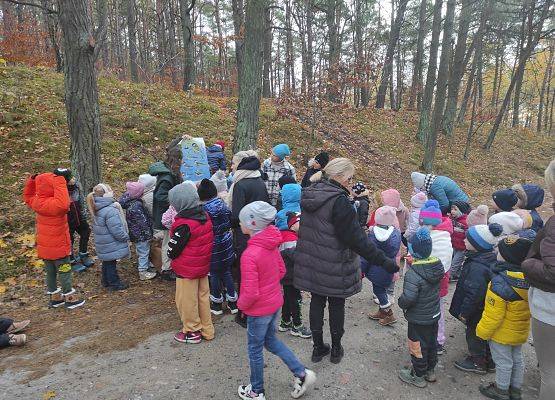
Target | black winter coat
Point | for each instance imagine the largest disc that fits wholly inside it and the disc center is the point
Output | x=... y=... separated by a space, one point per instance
x=288 y=256
x=330 y=237
x=420 y=298
x=165 y=181
x=306 y=178
x=362 y=204
x=470 y=293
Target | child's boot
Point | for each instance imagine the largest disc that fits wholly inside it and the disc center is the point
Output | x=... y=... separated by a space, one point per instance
x=86 y=260
x=285 y=326
x=72 y=300
x=320 y=349
x=76 y=264
x=17 y=340
x=514 y=393
x=408 y=375
x=430 y=376
x=493 y=392
x=388 y=319
x=472 y=364
x=376 y=316
x=337 y=351
x=56 y=298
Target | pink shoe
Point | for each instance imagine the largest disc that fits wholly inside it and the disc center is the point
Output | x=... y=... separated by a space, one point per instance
x=189 y=337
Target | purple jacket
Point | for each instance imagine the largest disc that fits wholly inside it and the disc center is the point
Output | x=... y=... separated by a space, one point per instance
x=138 y=219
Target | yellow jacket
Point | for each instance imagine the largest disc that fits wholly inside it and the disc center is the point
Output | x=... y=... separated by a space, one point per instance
x=506 y=316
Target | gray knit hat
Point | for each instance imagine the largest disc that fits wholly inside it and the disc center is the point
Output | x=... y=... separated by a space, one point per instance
x=257 y=215
x=184 y=196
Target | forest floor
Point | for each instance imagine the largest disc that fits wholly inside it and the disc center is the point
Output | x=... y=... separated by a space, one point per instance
x=120 y=346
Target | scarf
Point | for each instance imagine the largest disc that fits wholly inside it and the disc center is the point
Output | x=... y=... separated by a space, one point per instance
x=428 y=181
x=239 y=175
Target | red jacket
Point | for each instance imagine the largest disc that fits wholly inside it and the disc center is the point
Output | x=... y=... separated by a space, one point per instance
x=194 y=260
x=460 y=226
x=47 y=196
x=262 y=269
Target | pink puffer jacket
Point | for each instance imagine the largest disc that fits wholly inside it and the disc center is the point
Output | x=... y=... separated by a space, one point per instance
x=262 y=269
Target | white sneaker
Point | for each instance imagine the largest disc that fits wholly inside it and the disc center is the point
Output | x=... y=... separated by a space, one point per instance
x=301 y=386
x=246 y=393
x=146 y=275
x=376 y=301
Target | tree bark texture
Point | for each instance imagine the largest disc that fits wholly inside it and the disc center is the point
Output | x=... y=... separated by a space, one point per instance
x=132 y=35
x=189 y=72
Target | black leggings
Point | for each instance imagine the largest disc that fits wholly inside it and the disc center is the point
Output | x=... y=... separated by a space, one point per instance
x=84 y=232
x=291 y=305
x=336 y=315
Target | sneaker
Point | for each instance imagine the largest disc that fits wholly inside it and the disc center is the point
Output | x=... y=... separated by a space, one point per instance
x=86 y=260
x=408 y=376
x=493 y=392
x=440 y=349
x=301 y=331
x=337 y=354
x=146 y=276
x=376 y=300
x=168 y=275
x=118 y=286
x=232 y=305
x=469 y=365
x=318 y=353
x=515 y=394
x=78 y=267
x=246 y=393
x=189 y=337
x=285 y=326
x=72 y=300
x=216 y=308
x=388 y=319
x=430 y=376
x=18 y=326
x=17 y=340
x=301 y=385
x=56 y=299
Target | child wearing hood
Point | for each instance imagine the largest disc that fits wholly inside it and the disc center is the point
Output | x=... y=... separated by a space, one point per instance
x=505 y=322
x=149 y=182
x=261 y=298
x=420 y=304
x=139 y=223
x=459 y=214
x=220 y=181
x=387 y=238
x=216 y=157
x=190 y=252
x=362 y=202
x=290 y=195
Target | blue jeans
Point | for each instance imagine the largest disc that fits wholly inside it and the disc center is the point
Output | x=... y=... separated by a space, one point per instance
x=143 y=253
x=217 y=277
x=261 y=332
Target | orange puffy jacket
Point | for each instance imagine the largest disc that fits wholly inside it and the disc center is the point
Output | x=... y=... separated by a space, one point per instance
x=48 y=197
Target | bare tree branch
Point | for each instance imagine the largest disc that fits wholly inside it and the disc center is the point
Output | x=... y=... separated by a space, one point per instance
x=25 y=3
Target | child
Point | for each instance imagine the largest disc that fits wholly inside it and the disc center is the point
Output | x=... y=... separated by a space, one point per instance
x=291 y=319
x=420 y=304
x=284 y=180
x=417 y=201
x=468 y=301
x=505 y=322
x=478 y=216
x=510 y=221
x=392 y=198
x=260 y=299
x=77 y=221
x=223 y=254
x=387 y=238
x=139 y=224
x=290 y=196
x=220 y=181
x=530 y=197
x=362 y=202
x=315 y=165
x=275 y=167
x=111 y=237
x=148 y=194
x=441 y=231
x=216 y=157
x=459 y=214
x=46 y=194
x=190 y=251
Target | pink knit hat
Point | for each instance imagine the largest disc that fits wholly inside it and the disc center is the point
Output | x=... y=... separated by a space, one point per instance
x=135 y=189
x=391 y=197
x=418 y=200
x=386 y=215
x=479 y=216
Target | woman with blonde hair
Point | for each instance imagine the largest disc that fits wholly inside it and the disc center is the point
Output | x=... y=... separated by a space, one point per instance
x=326 y=260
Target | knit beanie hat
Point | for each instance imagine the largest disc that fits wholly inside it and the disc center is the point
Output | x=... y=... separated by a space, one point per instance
x=510 y=221
x=391 y=197
x=418 y=179
x=285 y=180
x=420 y=244
x=293 y=218
x=418 y=200
x=184 y=196
x=251 y=163
x=514 y=249
x=66 y=173
x=207 y=190
x=148 y=180
x=526 y=216
x=220 y=143
x=505 y=199
x=220 y=181
x=257 y=215
x=358 y=188
x=463 y=206
x=430 y=214
x=484 y=237
x=385 y=215
x=323 y=159
x=135 y=189
x=281 y=151
x=479 y=216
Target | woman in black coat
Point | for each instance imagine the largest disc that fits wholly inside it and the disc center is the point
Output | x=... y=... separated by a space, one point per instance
x=314 y=166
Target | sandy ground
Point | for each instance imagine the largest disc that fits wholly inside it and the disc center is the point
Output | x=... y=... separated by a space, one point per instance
x=160 y=368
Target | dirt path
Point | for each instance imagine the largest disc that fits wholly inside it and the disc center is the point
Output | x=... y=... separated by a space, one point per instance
x=160 y=368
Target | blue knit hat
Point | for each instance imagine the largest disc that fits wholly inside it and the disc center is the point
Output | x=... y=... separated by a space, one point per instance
x=505 y=199
x=281 y=150
x=420 y=244
x=484 y=237
x=430 y=214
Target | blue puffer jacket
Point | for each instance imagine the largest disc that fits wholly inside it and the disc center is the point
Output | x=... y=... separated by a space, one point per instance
x=110 y=237
x=223 y=254
x=445 y=190
x=470 y=293
x=388 y=241
x=531 y=197
x=138 y=219
x=291 y=202
x=216 y=158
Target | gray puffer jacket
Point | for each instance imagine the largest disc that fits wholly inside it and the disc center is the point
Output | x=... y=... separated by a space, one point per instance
x=111 y=239
x=420 y=298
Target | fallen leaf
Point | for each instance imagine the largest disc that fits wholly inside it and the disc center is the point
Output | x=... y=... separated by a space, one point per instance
x=38 y=264
x=3 y=244
x=3 y=289
x=10 y=281
x=49 y=395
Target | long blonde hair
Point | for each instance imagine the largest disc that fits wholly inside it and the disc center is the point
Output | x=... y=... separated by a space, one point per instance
x=550 y=177
x=339 y=169
x=100 y=190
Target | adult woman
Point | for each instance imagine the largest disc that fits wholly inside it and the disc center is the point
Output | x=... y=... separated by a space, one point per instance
x=539 y=270
x=441 y=188
x=314 y=165
x=326 y=261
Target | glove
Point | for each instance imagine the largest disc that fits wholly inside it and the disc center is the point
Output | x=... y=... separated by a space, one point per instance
x=66 y=173
x=390 y=266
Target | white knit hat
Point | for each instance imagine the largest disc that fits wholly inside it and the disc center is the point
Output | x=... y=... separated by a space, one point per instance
x=418 y=179
x=510 y=221
x=257 y=215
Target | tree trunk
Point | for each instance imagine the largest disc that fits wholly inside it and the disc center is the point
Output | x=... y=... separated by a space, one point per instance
x=470 y=132
x=387 y=70
x=363 y=96
x=416 y=81
x=102 y=12
x=189 y=73
x=238 y=27
x=548 y=95
x=160 y=37
x=289 y=51
x=309 y=41
x=246 y=133
x=222 y=55
x=458 y=67
x=132 y=35
x=81 y=92
x=333 y=50
x=172 y=45
x=267 y=50
x=52 y=28
x=542 y=90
